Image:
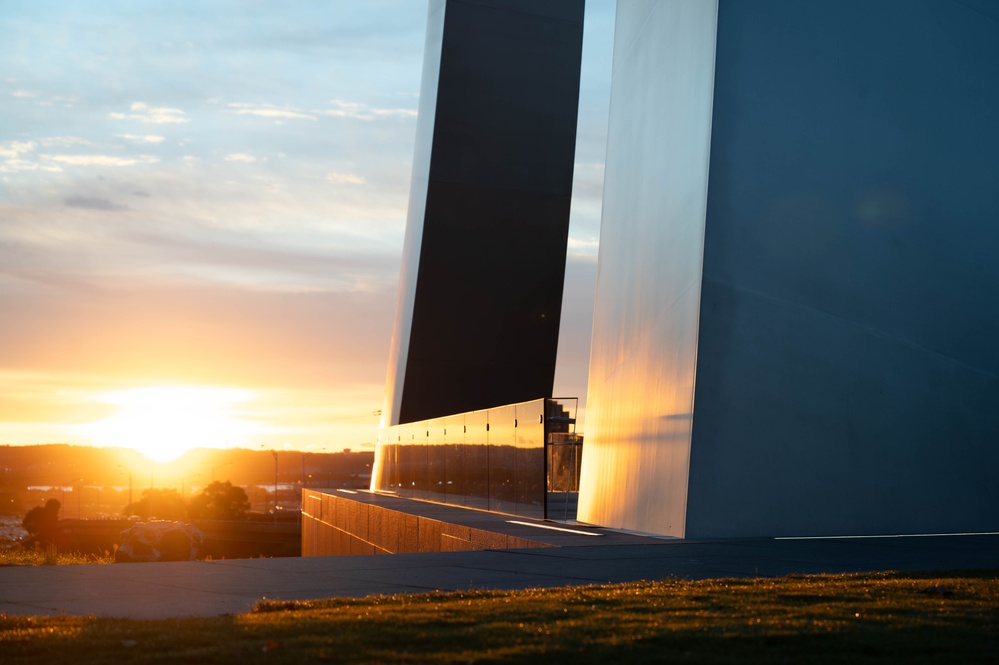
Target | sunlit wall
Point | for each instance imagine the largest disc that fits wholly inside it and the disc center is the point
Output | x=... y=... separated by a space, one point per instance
x=795 y=328
x=643 y=347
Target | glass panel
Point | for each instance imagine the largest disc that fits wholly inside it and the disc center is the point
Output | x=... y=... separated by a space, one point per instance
x=421 y=461
x=436 y=476
x=405 y=464
x=456 y=485
x=502 y=459
x=530 y=460
x=490 y=460
x=476 y=450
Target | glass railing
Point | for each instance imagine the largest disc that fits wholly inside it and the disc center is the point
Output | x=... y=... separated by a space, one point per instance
x=498 y=459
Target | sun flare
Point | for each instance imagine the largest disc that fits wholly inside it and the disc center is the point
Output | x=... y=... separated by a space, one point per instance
x=163 y=422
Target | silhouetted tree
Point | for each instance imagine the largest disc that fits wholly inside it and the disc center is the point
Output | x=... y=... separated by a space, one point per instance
x=41 y=522
x=165 y=504
x=220 y=501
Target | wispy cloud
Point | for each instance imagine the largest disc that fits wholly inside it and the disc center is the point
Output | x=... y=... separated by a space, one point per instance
x=265 y=111
x=345 y=179
x=242 y=157
x=142 y=138
x=101 y=160
x=14 y=149
x=13 y=153
x=583 y=247
x=143 y=112
x=64 y=141
x=358 y=111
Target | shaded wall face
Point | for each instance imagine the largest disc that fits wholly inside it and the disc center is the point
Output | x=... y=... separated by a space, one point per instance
x=847 y=360
x=845 y=319
x=482 y=327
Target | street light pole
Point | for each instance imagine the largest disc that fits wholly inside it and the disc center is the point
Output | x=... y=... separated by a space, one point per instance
x=129 y=483
x=274 y=452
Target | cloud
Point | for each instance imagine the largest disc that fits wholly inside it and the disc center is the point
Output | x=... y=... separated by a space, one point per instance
x=345 y=179
x=357 y=111
x=12 y=152
x=240 y=157
x=142 y=138
x=64 y=141
x=583 y=248
x=19 y=165
x=266 y=262
x=14 y=149
x=92 y=203
x=269 y=112
x=142 y=112
x=101 y=160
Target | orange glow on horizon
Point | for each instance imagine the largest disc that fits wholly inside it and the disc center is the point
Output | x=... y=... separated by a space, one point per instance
x=163 y=422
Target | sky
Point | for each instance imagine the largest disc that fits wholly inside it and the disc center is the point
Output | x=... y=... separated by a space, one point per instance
x=202 y=210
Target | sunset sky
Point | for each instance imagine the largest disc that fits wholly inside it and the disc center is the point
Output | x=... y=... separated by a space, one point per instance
x=202 y=208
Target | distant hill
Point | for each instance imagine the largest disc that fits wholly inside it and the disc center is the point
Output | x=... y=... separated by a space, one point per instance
x=65 y=465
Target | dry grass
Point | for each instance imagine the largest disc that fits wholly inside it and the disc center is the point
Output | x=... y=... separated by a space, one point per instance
x=874 y=618
x=24 y=556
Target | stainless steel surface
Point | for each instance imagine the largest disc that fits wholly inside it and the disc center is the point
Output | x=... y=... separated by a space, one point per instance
x=479 y=310
x=845 y=319
x=634 y=469
x=426 y=112
x=847 y=361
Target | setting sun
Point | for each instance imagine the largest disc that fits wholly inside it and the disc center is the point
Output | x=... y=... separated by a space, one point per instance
x=162 y=422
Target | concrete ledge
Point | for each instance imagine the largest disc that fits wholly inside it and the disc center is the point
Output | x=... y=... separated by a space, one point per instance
x=336 y=524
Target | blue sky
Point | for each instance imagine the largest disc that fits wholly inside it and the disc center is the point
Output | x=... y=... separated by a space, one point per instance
x=213 y=194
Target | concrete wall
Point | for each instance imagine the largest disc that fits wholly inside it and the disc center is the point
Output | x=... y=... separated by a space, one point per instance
x=846 y=310
x=334 y=525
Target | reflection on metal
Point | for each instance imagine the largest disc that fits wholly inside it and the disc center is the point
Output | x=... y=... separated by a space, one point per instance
x=548 y=527
x=645 y=321
x=493 y=459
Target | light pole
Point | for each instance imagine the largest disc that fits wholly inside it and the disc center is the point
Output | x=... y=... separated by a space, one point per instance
x=129 y=483
x=274 y=452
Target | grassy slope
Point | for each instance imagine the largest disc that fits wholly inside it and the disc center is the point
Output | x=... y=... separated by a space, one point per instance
x=873 y=618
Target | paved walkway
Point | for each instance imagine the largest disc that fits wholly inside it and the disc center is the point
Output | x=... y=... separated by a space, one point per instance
x=201 y=588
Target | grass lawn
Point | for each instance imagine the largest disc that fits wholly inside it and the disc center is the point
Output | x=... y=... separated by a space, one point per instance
x=869 y=618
